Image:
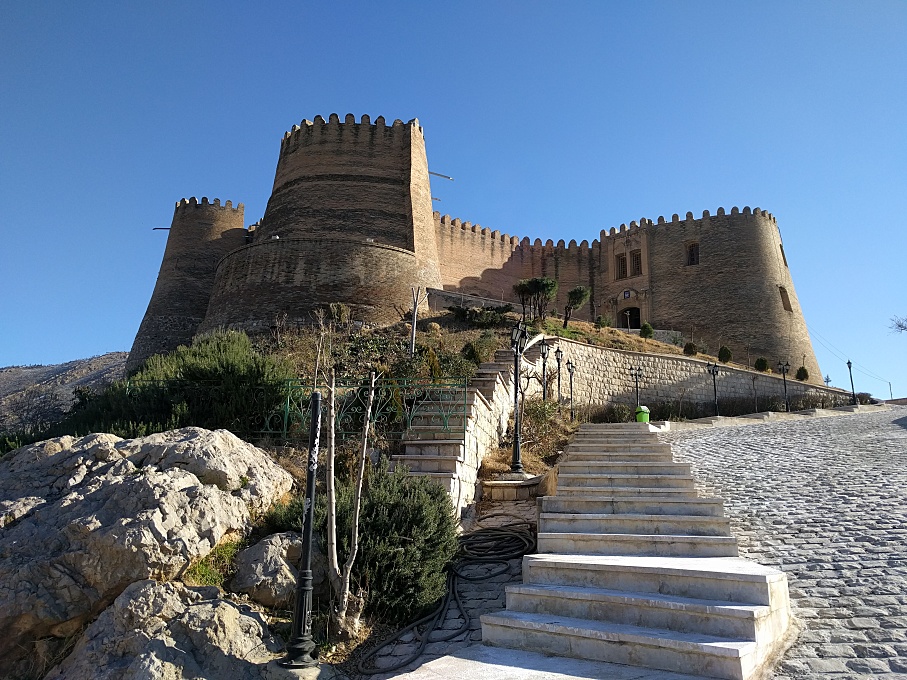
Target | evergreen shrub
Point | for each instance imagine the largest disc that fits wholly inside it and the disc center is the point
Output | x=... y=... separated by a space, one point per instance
x=761 y=364
x=802 y=373
x=690 y=349
x=724 y=354
x=646 y=330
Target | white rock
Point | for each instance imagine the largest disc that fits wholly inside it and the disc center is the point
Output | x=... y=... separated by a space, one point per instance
x=267 y=571
x=167 y=630
x=85 y=518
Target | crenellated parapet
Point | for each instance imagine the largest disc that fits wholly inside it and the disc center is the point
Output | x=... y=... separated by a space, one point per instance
x=319 y=130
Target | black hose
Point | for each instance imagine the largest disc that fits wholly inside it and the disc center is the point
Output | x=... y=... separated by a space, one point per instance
x=490 y=546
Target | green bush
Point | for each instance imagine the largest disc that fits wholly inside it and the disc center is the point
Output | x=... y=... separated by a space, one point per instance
x=407 y=537
x=802 y=373
x=761 y=364
x=724 y=354
x=646 y=330
x=602 y=322
x=483 y=317
x=690 y=349
x=482 y=349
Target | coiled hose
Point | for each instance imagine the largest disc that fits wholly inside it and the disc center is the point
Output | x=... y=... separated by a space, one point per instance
x=491 y=546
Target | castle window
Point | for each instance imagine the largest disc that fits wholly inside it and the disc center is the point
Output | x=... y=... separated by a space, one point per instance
x=693 y=254
x=783 y=256
x=620 y=266
x=785 y=299
x=635 y=263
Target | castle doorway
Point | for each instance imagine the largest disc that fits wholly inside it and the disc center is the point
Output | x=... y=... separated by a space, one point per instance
x=628 y=318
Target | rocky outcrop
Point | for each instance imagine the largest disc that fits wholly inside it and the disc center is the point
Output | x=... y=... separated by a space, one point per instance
x=167 y=630
x=83 y=518
x=267 y=571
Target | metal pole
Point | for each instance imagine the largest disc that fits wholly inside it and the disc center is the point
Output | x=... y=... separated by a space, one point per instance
x=559 y=354
x=853 y=392
x=572 y=407
x=543 y=348
x=713 y=369
x=784 y=368
x=636 y=377
x=516 y=464
x=301 y=647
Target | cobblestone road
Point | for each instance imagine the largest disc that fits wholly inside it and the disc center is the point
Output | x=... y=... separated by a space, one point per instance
x=825 y=500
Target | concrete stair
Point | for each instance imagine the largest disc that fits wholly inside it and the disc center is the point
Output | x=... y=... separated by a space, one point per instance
x=635 y=568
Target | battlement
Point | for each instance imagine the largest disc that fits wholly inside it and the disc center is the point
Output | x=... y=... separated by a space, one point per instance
x=193 y=204
x=446 y=222
x=309 y=132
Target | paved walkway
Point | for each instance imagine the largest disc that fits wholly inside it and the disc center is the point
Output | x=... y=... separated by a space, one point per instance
x=826 y=501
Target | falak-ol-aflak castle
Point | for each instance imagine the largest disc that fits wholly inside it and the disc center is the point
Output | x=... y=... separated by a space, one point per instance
x=350 y=220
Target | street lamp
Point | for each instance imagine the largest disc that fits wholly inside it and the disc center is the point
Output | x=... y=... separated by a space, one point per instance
x=558 y=355
x=571 y=367
x=543 y=348
x=301 y=647
x=636 y=374
x=852 y=390
x=628 y=319
x=518 y=338
x=713 y=369
x=784 y=368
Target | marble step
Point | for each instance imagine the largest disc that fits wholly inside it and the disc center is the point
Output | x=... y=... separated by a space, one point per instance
x=616 y=456
x=671 y=545
x=623 y=467
x=626 y=480
x=651 y=610
x=645 y=505
x=611 y=523
x=625 y=491
x=695 y=653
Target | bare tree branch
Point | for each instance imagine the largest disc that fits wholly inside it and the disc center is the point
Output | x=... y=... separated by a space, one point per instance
x=899 y=324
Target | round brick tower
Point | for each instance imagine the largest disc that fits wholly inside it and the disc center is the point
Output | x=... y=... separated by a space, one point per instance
x=349 y=220
x=200 y=235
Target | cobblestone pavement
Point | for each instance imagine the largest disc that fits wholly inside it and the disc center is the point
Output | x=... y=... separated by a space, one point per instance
x=478 y=597
x=826 y=501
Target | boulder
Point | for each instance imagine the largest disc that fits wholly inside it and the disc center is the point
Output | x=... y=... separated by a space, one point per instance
x=83 y=518
x=155 y=631
x=267 y=571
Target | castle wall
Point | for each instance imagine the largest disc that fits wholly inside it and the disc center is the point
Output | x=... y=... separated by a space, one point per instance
x=294 y=276
x=200 y=234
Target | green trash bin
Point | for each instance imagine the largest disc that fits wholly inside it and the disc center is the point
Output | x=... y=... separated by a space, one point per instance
x=642 y=414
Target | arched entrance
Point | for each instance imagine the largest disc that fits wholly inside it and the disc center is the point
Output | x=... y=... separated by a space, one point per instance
x=631 y=321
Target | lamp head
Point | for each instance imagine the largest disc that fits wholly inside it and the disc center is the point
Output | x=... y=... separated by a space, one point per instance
x=543 y=348
x=558 y=354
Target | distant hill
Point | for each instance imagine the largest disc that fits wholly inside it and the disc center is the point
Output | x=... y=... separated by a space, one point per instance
x=35 y=395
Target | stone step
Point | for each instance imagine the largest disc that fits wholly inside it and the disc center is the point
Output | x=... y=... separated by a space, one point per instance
x=425 y=428
x=624 y=491
x=647 y=505
x=449 y=448
x=672 y=545
x=624 y=467
x=612 y=444
x=610 y=523
x=728 y=579
x=695 y=653
x=641 y=455
x=426 y=463
x=626 y=480
x=448 y=481
x=651 y=610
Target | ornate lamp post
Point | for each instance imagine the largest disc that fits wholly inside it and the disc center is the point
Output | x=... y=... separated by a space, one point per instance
x=784 y=368
x=853 y=392
x=558 y=354
x=571 y=367
x=518 y=338
x=301 y=647
x=544 y=347
x=636 y=374
x=713 y=369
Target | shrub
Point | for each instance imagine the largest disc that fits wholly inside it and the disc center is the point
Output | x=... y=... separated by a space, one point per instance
x=646 y=330
x=483 y=317
x=215 y=568
x=690 y=349
x=407 y=537
x=761 y=364
x=602 y=322
x=482 y=349
x=434 y=328
x=724 y=354
x=802 y=373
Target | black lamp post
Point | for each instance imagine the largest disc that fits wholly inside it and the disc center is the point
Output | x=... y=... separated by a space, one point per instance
x=784 y=368
x=558 y=355
x=301 y=647
x=518 y=338
x=543 y=348
x=571 y=367
x=713 y=369
x=853 y=392
x=636 y=374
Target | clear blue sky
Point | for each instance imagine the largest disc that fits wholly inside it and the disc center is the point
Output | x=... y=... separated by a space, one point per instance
x=557 y=119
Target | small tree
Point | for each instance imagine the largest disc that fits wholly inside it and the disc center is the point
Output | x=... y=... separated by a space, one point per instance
x=544 y=290
x=690 y=349
x=646 y=330
x=761 y=364
x=724 y=354
x=576 y=298
x=523 y=291
x=802 y=373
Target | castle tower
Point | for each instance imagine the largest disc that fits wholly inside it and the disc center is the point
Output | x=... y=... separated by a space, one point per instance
x=201 y=233
x=349 y=220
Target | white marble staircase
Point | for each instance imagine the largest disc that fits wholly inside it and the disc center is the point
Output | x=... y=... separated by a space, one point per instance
x=635 y=568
